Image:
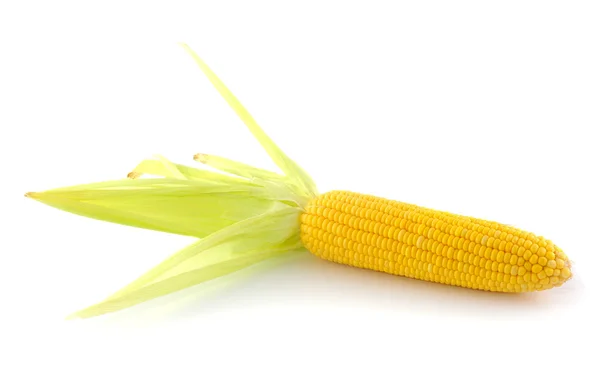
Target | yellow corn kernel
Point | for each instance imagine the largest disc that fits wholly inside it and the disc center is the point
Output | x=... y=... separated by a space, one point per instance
x=557 y=272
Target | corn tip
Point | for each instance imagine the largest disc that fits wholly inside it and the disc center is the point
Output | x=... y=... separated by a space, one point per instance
x=133 y=175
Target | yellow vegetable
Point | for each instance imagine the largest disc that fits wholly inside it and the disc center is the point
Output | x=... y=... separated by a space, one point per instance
x=242 y=215
x=406 y=240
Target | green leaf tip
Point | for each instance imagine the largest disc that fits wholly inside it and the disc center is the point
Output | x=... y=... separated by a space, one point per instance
x=240 y=215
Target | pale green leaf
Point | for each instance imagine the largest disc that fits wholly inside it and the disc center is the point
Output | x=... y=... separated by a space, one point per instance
x=157 y=168
x=238 y=246
x=237 y=168
x=288 y=166
x=167 y=205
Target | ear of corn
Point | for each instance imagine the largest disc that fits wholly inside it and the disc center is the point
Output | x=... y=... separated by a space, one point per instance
x=243 y=215
x=407 y=240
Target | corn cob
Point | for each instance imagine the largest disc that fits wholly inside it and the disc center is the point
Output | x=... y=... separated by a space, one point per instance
x=242 y=215
x=406 y=240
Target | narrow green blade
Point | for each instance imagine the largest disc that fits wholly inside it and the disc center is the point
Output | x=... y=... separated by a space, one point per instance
x=225 y=251
x=287 y=165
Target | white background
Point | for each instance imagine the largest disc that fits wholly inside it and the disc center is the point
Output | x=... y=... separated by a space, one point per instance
x=489 y=109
